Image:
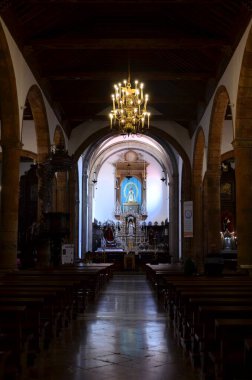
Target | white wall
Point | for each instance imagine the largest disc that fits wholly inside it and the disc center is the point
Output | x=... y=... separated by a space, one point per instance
x=104 y=194
x=156 y=194
x=227 y=136
x=157 y=203
x=24 y=167
x=29 y=136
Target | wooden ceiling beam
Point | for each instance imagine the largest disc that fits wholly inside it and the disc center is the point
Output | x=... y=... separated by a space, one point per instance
x=106 y=102
x=175 y=43
x=124 y=2
x=119 y=76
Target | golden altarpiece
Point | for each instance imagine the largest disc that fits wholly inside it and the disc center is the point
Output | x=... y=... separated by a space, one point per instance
x=130 y=209
x=129 y=232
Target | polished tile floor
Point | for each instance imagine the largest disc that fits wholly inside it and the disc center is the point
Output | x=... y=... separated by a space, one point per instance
x=124 y=335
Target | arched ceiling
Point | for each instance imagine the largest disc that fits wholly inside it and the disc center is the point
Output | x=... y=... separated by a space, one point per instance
x=115 y=148
x=78 y=49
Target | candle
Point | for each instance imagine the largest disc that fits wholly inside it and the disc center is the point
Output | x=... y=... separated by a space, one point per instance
x=113 y=98
x=141 y=86
x=111 y=118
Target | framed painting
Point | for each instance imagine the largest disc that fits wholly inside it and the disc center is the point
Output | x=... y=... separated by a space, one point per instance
x=226 y=190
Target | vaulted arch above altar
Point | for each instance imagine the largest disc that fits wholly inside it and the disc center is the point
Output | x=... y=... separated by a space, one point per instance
x=130 y=178
x=131 y=186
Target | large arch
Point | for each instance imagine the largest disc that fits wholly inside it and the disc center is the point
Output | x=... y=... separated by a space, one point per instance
x=165 y=141
x=36 y=101
x=212 y=229
x=58 y=138
x=10 y=143
x=38 y=109
x=197 y=192
x=243 y=156
x=60 y=201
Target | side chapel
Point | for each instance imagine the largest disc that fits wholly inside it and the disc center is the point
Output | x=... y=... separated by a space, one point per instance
x=130 y=232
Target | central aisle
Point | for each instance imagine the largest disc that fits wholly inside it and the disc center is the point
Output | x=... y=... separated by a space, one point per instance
x=122 y=336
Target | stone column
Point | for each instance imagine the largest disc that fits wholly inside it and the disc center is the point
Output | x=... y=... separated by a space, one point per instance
x=62 y=201
x=174 y=219
x=213 y=210
x=198 y=225
x=74 y=208
x=243 y=174
x=85 y=206
x=9 y=206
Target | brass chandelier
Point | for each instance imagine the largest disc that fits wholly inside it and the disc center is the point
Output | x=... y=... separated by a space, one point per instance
x=129 y=114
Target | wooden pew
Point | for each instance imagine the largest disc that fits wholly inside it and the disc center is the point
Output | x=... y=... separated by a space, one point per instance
x=185 y=297
x=48 y=316
x=227 y=361
x=93 y=277
x=248 y=357
x=63 y=304
x=44 y=295
x=13 y=338
x=7 y=369
x=204 y=328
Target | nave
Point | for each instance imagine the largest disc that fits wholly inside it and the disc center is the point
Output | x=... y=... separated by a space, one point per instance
x=123 y=335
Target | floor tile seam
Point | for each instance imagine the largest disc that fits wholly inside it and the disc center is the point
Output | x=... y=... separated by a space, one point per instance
x=126 y=318
x=136 y=292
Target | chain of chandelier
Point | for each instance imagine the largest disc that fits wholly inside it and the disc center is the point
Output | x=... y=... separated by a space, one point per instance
x=129 y=114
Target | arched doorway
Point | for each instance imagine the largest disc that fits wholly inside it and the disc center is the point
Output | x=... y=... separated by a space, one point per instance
x=91 y=165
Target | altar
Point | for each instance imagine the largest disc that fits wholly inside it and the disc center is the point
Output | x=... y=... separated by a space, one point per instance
x=128 y=232
x=129 y=262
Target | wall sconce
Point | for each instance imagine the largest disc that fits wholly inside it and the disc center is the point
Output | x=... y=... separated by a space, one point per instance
x=94 y=180
x=163 y=178
x=117 y=186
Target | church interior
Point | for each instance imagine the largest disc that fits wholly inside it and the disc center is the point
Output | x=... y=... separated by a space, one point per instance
x=125 y=189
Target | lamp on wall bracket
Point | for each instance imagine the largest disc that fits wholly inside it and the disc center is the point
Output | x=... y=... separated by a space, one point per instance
x=128 y=176
x=117 y=185
x=163 y=178
x=94 y=180
x=144 y=175
x=129 y=115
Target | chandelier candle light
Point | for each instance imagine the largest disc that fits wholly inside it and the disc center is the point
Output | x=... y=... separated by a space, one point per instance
x=129 y=114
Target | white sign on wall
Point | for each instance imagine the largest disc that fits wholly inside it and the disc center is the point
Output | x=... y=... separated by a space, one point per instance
x=188 y=219
x=67 y=254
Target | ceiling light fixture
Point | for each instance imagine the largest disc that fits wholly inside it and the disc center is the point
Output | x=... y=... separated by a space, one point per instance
x=128 y=176
x=129 y=114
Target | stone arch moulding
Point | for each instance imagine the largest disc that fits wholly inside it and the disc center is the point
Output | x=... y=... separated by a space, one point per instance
x=243 y=156
x=162 y=138
x=10 y=143
x=58 y=138
x=197 y=183
x=38 y=109
x=212 y=222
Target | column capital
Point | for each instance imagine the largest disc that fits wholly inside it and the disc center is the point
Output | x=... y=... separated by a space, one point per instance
x=11 y=145
x=240 y=142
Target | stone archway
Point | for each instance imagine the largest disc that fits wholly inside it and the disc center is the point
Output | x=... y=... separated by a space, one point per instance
x=58 y=139
x=197 y=193
x=60 y=201
x=10 y=143
x=38 y=109
x=212 y=225
x=163 y=139
x=37 y=105
x=243 y=157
